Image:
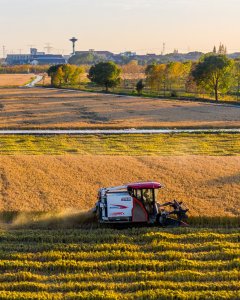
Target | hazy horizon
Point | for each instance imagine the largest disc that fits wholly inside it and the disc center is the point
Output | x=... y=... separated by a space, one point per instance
x=141 y=26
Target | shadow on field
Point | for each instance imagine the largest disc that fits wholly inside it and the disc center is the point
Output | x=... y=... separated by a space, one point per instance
x=69 y=219
x=38 y=220
x=234 y=179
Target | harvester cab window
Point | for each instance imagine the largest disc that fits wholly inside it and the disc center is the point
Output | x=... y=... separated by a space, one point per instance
x=148 y=199
x=138 y=194
x=146 y=196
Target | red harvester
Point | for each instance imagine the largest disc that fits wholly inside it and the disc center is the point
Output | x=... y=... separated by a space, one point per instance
x=136 y=203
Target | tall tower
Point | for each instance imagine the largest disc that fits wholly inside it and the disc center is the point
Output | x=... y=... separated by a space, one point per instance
x=73 y=40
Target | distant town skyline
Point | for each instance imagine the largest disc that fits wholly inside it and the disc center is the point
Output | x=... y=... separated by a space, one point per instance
x=140 y=26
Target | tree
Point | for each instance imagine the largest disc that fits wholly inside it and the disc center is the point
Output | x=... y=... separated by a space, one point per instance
x=88 y=58
x=213 y=73
x=57 y=78
x=140 y=86
x=236 y=76
x=65 y=75
x=132 y=70
x=157 y=76
x=105 y=74
x=52 y=72
x=222 y=49
x=175 y=72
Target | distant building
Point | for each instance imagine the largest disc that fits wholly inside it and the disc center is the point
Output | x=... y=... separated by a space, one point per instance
x=128 y=54
x=35 y=58
x=18 y=59
x=48 y=59
x=105 y=55
x=151 y=55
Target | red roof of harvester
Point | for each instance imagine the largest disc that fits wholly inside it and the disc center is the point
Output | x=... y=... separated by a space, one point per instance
x=145 y=185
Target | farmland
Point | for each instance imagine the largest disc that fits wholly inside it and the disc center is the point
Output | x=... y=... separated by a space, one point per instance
x=62 y=172
x=50 y=246
x=127 y=264
x=44 y=108
x=209 y=185
x=14 y=80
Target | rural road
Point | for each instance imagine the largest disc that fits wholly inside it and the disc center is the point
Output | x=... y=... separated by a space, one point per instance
x=34 y=82
x=113 y=131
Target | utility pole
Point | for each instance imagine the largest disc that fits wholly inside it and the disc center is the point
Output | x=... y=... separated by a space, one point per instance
x=48 y=48
x=31 y=46
x=163 y=48
x=4 y=51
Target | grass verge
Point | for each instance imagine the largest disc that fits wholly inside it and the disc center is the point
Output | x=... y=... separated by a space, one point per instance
x=150 y=94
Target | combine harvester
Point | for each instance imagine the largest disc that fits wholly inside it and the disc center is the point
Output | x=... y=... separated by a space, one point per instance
x=137 y=204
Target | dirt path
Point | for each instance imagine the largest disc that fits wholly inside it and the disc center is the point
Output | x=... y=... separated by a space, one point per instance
x=115 y=132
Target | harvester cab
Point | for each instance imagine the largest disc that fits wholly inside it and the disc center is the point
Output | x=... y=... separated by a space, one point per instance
x=136 y=203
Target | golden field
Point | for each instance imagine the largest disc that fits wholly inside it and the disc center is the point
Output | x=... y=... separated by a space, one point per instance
x=52 y=108
x=54 y=256
x=209 y=185
x=8 y=80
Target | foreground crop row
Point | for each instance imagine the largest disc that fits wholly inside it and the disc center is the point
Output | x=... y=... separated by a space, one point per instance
x=140 y=263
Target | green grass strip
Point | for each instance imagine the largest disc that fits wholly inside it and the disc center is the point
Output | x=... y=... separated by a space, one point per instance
x=132 y=145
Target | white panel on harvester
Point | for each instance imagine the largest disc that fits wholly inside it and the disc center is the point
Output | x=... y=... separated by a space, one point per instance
x=119 y=205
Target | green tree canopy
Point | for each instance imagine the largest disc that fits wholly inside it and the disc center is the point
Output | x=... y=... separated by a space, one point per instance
x=83 y=59
x=106 y=74
x=236 y=76
x=213 y=73
x=52 y=71
x=65 y=75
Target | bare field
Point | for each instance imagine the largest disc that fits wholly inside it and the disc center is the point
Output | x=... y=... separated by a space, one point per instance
x=14 y=80
x=210 y=186
x=45 y=108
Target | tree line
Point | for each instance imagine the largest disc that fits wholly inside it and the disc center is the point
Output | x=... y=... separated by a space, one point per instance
x=23 y=69
x=214 y=73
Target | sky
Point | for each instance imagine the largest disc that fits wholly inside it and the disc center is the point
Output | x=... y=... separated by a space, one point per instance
x=141 y=26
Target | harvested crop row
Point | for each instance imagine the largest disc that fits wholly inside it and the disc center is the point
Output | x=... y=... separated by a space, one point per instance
x=51 y=256
x=165 y=294
x=44 y=264
x=119 y=287
x=135 y=236
x=118 y=266
x=127 y=277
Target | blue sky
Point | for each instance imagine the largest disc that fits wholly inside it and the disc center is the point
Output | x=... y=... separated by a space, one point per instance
x=120 y=25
